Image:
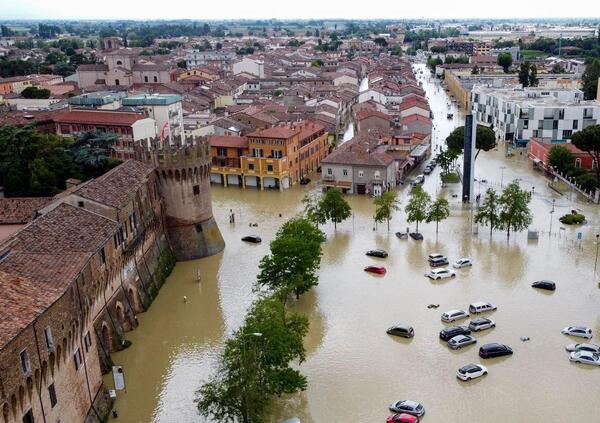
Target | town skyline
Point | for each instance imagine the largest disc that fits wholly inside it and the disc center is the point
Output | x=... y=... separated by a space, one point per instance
x=312 y=9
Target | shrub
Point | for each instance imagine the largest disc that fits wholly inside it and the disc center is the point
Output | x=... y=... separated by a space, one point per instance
x=572 y=219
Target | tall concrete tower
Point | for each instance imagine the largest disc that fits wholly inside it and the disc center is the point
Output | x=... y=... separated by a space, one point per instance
x=183 y=170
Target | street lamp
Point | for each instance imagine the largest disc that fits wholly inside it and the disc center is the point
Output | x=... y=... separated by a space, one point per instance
x=502 y=176
x=551 y=214
x=596 y=262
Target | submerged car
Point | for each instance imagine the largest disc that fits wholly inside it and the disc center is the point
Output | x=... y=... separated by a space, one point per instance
x=438 y=261
x=304 y=181
x=494 y=350
x=481 y=307
x=453 y=315
x=585 y=357
x=440 y=274
x=377 y=253
x=471 y=371
x=481 y=323
x=547 y=285
x=460 y=341
x=580 y=331
x=380 y=270
x=416 y=236
x=255 y=239
x=583 y=347
x=402 y=418
x=402 y=331
x=409 y=407
x=463 y=262
x=452 y=331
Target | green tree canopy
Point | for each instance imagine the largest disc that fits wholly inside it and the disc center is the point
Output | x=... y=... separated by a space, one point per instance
x=334 y=207
x=485 y=139
x=514 y=209
x=438 y=211
x=385 y=206
x=488 y=212
x=294 y=260
x=588 y=140
x=35 y=92
x=505 y=60
x=91 y=152
x=418 y=204
x=561 y=158
x=590 y=77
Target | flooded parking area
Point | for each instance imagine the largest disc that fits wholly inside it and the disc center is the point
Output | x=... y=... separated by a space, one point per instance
x=354 y=369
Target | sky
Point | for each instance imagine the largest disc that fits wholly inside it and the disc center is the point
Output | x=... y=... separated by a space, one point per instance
x=294 y=9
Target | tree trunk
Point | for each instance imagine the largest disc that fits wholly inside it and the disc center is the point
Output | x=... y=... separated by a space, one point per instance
x=508 y=233
x=388 y=222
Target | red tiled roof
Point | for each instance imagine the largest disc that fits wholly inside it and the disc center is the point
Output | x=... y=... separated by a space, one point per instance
x=414 y=102
x=283 y=132
x=20 y=210
x=366 y=113
x=228 y=141
x=413 y=118
x=100 y=118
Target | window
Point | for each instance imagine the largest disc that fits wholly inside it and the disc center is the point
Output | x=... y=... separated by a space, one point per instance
x=329 y=171
x=117 y=82
x=554 y=124
x=155 y=79
x=575 y=124
x=102 y=256
x=196 y=189
x=258 y=152
x=526 y=124
x=28 y=417
x=250 y=166
x=345 y=171
x=361 y=173
x=577 y=162
x=87 y=340
x=25 y=365
x=377 y=174
x=52 y=395
x=119 y=63
x=77 y=358
x=277 y=154
x=48 y=338
x=221 y=151
x=269 y=168
x=594 y=164
x=145 y=79
x=567 y=133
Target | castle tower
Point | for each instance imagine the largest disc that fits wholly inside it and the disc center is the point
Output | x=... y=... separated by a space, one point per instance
x=183 y=172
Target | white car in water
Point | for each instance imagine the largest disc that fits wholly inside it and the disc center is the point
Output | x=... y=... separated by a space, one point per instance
x=454 y=315
x=580 y=331
x=585 y=357
x=440 y=274
x=471 y=371
x=463 y=262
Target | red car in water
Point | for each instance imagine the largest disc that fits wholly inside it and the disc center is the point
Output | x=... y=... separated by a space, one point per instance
x=380 y=270
x=402 y=418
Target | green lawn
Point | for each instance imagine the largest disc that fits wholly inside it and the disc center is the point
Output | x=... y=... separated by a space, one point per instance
x=451 y=178
x=533 y=54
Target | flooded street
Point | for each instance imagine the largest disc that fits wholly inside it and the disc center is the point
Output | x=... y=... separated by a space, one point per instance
x=354 y=369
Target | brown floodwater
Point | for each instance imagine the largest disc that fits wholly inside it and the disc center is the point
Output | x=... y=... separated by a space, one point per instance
x=354 y=369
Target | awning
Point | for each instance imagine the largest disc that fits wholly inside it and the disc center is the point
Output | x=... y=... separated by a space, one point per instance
x=419 y=151
x=342 y=184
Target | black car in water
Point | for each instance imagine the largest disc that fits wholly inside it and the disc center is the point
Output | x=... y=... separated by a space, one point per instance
x=255 y=239
x=377 y=253
x=452 y=331
x=494 y=350
x=401 y=330
x=416 y=236
x=547 y=285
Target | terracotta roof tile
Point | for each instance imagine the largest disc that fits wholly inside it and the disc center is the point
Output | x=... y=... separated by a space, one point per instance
x=99 y=117
x=20 y=210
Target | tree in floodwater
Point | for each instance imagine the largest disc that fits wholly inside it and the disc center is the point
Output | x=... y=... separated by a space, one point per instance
x=514 y=209
x=485 y=139
x=334 y=207
x=438 y=211
x=488 y=213
x=418 y=204
x=255 y=365
x=295 y=257
x=385 y=206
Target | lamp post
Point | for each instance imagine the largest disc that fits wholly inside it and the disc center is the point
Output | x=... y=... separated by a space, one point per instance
x=596 y=262
x=551 y=214
x=246 y=402
x=502 y=176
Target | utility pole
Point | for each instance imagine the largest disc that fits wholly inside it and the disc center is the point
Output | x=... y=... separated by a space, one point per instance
x=551 y=215
x=596 y=262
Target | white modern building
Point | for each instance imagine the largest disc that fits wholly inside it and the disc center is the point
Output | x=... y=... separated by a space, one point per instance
x=519 y=114
x=251 y=66
x=195 y=58
x=165 y=109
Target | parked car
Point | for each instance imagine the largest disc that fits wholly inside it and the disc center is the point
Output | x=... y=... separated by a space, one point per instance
x=454 y=315
x=402 y=418
x=481 y=307
x=463 y=262
x=418 y=180
x=255 y=239
x=440 y=273
x=427 y=170
x=460 y=341
x=416 y=236
x=435 y=256
x=377 y=253
x=304 y=181
x=452 y=331
x=583 y=347
x=494 y=350
x=380 y=270
x=402 y=235
x=441 y=261
x=409 y=407
x=481 y=323
x=580 y=331
x=402 y=331
x=471 y=371
x=585 y=357
x=544 y=284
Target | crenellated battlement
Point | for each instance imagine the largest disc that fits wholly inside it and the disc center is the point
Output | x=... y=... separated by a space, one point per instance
x=189 y=153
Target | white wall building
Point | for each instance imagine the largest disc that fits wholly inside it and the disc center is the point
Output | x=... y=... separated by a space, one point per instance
x=165 y=109
x=251 y=66
x=520 y=114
